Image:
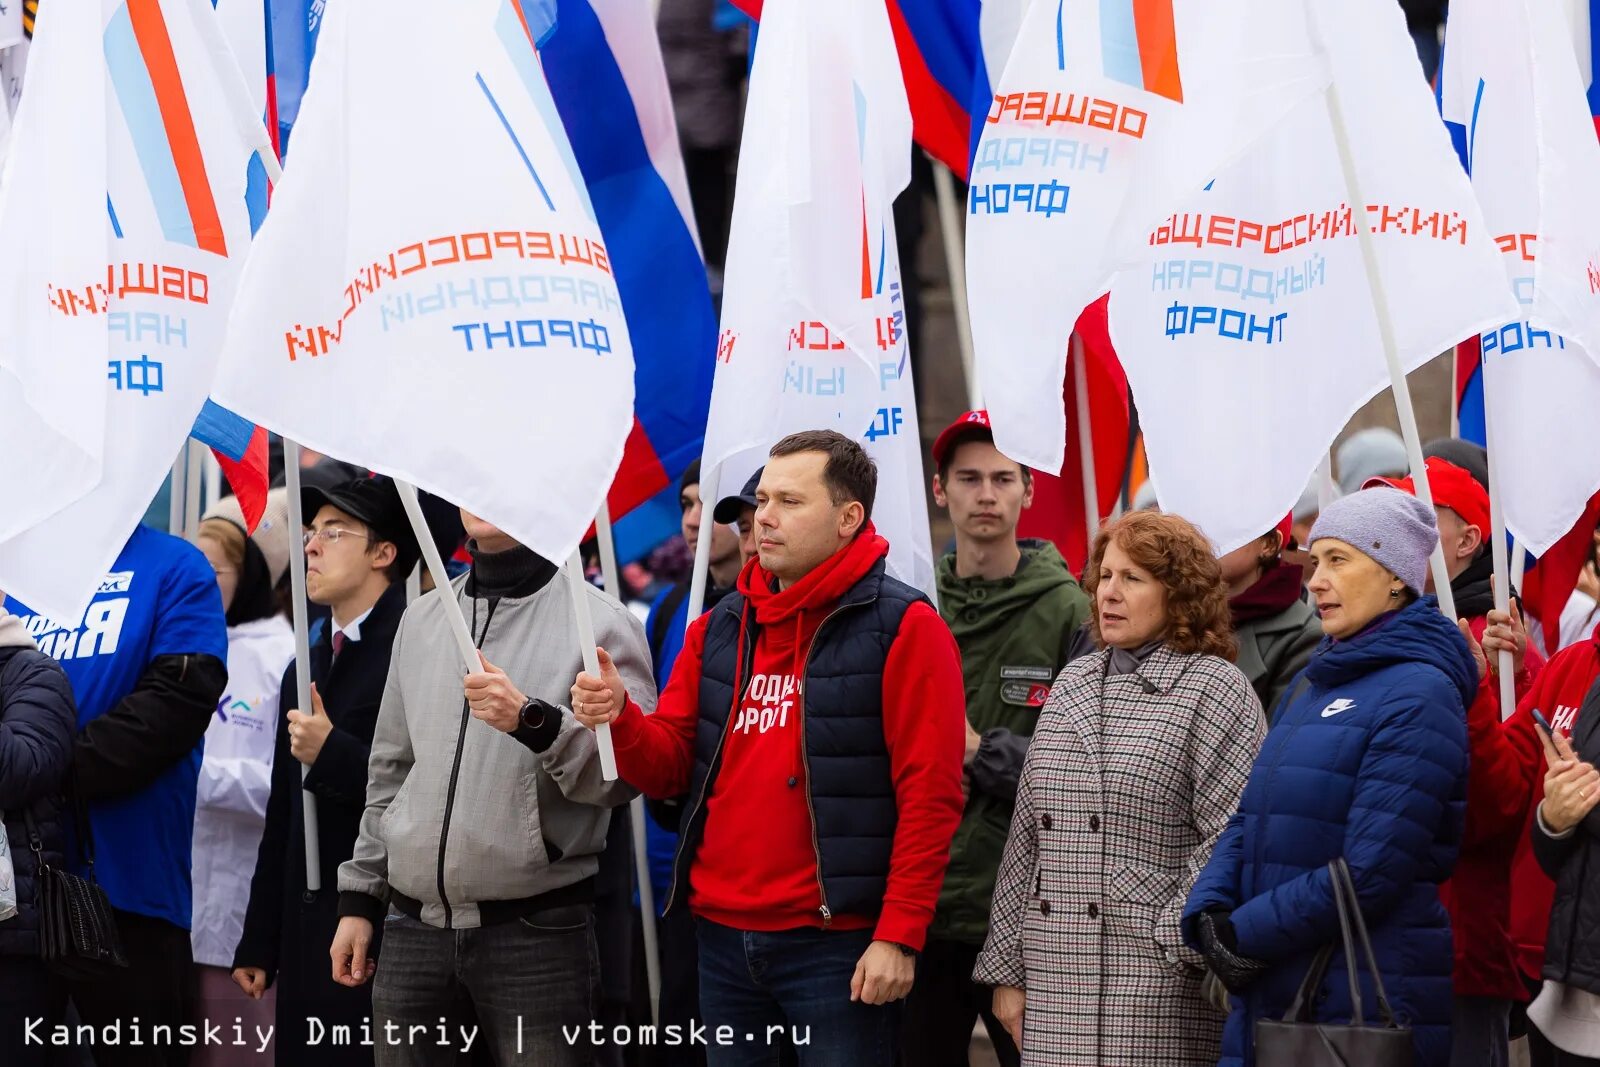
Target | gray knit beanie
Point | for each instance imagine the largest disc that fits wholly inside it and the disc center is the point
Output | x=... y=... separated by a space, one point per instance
x=1394 y=528
x=1370 y=453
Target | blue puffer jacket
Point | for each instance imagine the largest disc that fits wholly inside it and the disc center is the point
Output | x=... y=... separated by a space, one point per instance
x=1367 y=760
x=37 y=722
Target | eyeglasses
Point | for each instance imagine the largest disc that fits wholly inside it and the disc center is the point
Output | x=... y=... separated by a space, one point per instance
x=329 y=535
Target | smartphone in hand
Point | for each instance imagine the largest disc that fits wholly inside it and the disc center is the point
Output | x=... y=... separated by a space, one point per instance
x=1544 y=723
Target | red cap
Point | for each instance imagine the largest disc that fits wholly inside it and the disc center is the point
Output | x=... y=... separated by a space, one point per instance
x=1452 y=487
x=1285 y=530
x=973 y=422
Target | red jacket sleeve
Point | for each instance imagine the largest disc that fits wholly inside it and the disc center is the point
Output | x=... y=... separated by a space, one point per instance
x=655 y=752
x=924 y=728
x=1497 y=778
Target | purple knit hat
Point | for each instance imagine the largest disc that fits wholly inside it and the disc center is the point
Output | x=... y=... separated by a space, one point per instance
x=1394 y=528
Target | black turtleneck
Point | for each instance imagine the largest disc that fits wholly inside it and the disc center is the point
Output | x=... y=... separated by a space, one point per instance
x=516 y=572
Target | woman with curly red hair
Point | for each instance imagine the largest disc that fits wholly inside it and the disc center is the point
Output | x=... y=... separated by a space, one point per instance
x=1135 y=766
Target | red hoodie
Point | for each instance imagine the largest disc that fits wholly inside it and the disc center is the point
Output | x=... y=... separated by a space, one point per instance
x=1478 y=894
x=1558 y=694
x=756 y=864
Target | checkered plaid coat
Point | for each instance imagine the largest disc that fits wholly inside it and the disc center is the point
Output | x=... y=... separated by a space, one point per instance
x=1129 y=781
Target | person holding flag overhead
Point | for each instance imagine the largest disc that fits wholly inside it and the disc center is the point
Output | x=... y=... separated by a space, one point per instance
x=485 y=818
x=818 y=712
x=359 y=549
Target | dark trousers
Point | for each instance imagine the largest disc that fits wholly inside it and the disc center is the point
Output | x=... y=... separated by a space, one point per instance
x=791 y=985
x=530 y=986
x=944 y=1005
x=157 y=989
x=25 y=995
x=680 y=990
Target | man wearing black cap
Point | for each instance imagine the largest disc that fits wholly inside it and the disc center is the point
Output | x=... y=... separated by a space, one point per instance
x=359 y=549
x=740 y=511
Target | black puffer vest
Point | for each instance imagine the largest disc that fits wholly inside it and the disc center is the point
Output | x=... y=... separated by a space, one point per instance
x=848 y=784
x=1572 y=949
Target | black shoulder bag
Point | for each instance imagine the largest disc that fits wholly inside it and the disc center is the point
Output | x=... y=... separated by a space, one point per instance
x=1296 y=1041
x=77 y=933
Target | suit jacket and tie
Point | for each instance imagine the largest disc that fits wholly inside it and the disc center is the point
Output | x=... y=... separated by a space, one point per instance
x=287 y=929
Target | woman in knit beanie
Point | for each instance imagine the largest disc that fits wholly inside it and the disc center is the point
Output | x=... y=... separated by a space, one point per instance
x=1367 y=760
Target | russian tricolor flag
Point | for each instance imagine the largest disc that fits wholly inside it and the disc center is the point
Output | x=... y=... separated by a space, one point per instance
x=937 y=42
x=605 y=70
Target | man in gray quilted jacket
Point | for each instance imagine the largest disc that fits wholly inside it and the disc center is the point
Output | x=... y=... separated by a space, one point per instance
x=486 y=816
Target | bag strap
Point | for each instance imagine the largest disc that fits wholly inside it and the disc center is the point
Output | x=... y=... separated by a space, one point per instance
x=35 y=842
x=1344 y=908
x=1341 y=874
x=1306 y=994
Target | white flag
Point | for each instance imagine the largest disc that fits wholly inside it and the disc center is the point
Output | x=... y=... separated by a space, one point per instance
x=813 y=316
x=125 y=189
x=1100 y=122
x=1251 y=336
x=1511 y=92
x=430 y=295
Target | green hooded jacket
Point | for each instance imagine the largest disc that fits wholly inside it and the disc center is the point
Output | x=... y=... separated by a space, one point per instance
x=1013 y=634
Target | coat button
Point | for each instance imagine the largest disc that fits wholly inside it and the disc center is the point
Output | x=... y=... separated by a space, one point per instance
x=1044 y=907
x=793 y=782
x=1094 y=911
x=1044 y=821
x=1094 y=823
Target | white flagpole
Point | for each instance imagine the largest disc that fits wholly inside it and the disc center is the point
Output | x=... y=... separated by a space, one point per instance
x=1380 y=306
x=1502 y=568
x=591 y=660
x=702 y=546
x=1519 y=564
x=192 y=479
x=441 y=580
x=414 y=583
x=213 y=476
x=1080 y=396
x=180 y=470
x=641 y=852
x=955 y=262
x=302 y=647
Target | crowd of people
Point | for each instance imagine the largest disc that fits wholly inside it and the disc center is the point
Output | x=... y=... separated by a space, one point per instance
x=1094 y=816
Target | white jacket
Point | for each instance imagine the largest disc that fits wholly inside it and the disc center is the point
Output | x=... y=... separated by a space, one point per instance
x=235 y=781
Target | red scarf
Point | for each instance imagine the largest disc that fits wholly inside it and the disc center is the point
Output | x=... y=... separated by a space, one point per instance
x=1272 y=595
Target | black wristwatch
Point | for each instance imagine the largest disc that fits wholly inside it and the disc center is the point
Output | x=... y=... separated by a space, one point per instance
x=534 y=714
x=905 y=950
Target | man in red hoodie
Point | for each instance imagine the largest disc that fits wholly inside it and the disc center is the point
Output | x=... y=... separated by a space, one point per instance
x=1478 y=895
x=817 y=720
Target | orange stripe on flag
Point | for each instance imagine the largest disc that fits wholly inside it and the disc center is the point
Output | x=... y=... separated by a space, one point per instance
x=522 y=17
x=1158 y=47
x=150 y=29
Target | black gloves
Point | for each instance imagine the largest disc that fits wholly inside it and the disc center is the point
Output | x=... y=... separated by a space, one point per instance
x=1220 y=946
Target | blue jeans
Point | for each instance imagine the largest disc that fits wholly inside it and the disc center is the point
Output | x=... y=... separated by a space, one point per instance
x=791 y=985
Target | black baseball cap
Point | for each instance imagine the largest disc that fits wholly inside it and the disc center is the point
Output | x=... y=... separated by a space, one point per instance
x=728 y=508
x=374 y=501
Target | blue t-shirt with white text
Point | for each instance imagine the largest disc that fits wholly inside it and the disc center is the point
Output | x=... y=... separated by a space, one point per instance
x=160 y=598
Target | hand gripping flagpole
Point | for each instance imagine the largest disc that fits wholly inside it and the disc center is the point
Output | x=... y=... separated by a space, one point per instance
x=1380 y=307
x=302 y=649
x=637 y=815
x=1502 y=587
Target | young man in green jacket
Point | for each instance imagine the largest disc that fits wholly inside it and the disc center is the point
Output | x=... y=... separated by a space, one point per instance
x=1013 y=607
